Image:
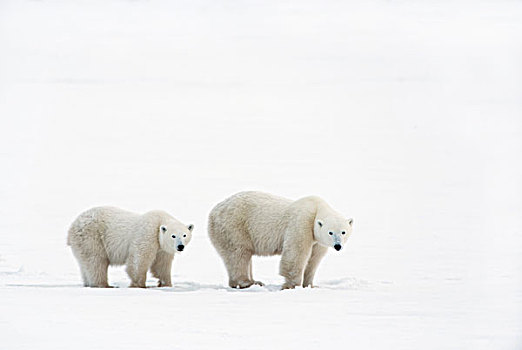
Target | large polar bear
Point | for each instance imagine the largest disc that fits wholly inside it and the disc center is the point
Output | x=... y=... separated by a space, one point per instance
x=256 y=223
x=106 y=236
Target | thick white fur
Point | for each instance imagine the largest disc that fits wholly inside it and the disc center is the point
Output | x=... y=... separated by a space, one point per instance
x=104 y=236
x=256 y=223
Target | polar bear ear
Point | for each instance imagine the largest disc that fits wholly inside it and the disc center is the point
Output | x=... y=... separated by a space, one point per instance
x=320 y=223
x=190 y=227
x=350 y=221
x=163 y=229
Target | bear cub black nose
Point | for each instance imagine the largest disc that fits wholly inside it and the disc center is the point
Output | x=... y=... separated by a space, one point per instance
x=181 y=247
x=337 y=247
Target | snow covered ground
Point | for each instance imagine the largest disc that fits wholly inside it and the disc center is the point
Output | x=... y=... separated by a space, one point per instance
x=406 y=115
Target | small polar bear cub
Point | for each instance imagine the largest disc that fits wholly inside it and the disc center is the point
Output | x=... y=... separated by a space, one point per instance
x=256 y=223
x=104 y=236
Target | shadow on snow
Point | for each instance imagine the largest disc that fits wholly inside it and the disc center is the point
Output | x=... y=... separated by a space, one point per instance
x=348 y=283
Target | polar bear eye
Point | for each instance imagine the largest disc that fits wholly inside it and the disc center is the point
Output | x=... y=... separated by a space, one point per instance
x=173 y=236
x=330 y=233
x=184 y=235
x=343 y=232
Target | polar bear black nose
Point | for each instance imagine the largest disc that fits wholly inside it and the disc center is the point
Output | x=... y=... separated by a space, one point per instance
x=181 y=247
x=337 y=247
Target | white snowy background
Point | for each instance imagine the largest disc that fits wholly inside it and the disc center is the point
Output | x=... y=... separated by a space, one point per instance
x=405 y=115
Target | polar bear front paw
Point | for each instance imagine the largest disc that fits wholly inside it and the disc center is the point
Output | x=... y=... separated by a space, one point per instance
x=164 y=284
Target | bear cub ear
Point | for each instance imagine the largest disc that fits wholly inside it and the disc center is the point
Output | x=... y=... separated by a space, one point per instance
x=163 y=229
x=320 y=223
x=350 y=221
x=190 y=227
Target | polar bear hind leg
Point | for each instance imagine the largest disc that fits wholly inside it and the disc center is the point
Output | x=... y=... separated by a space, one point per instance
x=97 y=272
x=93 y=262
x=236 y=251
x=94 y=271
x=237 y=264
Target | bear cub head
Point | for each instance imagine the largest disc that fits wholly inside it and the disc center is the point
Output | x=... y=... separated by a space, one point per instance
x=174 y=236
x=333 y=231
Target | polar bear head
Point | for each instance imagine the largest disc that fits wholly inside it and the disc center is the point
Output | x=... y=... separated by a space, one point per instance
x=174 y=236
x=333 y=231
